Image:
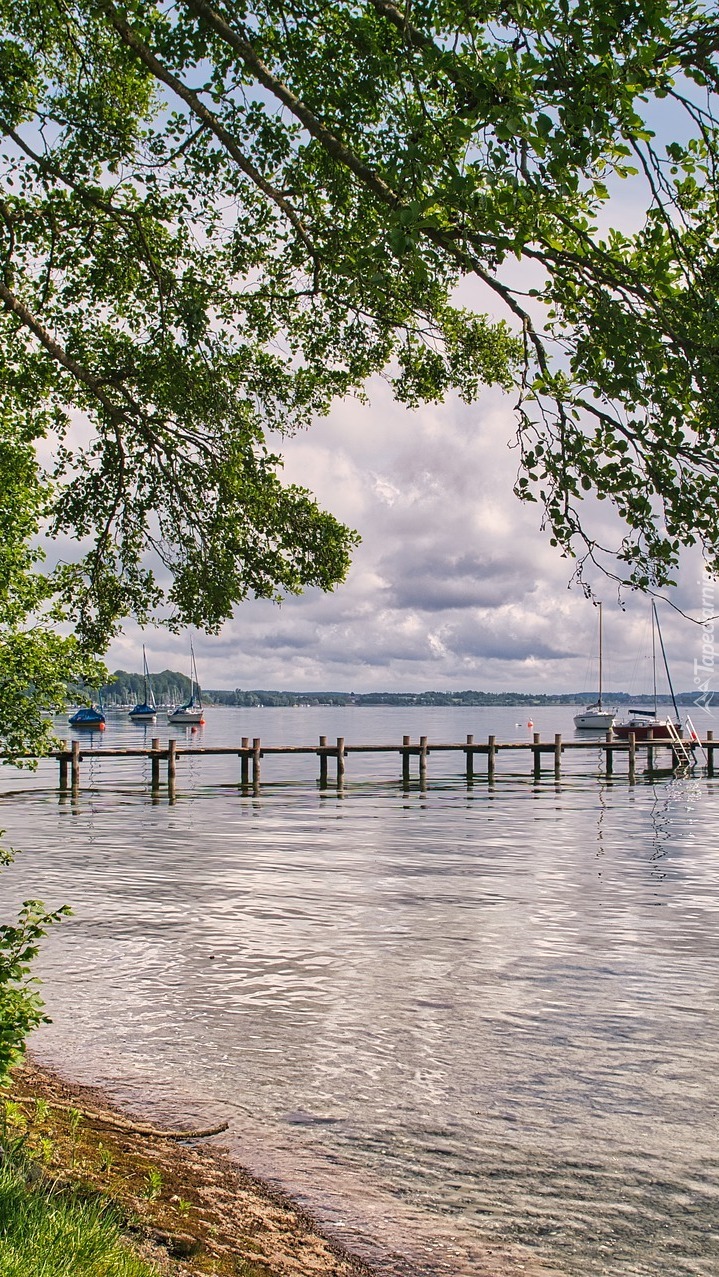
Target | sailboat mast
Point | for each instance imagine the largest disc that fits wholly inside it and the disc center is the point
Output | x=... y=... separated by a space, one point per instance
x=666 y=663
x=599 y=702
x=194 y=681
x=654 y=655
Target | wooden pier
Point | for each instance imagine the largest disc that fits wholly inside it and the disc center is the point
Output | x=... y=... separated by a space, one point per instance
x=479 y=761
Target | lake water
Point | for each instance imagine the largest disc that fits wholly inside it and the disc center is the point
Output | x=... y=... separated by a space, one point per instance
x=457 y=1024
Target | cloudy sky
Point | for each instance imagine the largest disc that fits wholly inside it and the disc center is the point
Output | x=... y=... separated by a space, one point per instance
x=453 y=587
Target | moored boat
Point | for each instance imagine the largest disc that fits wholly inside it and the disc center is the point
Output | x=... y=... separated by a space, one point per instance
x=91 y=717
x=645 y=723
x=640 y=723
x=596 y=718
x=145 y=711
x=191 y=713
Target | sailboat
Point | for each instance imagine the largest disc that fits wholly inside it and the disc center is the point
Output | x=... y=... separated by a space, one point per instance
x=595 y=718
x=90 y=717
x=146 y=711
x=191 y=711
x=643 y=721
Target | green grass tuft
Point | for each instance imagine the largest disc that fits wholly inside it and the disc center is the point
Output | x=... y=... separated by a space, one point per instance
x=46 y=1232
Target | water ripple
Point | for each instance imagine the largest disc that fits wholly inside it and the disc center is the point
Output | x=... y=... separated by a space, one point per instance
x=468 y=1023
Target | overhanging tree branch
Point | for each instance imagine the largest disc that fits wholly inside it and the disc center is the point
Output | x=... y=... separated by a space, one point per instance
x=207 y=118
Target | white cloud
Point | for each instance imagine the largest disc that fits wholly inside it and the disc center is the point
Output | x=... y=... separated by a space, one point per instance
x=454 y=585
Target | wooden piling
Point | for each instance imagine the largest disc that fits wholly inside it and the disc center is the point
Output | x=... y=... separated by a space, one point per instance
x=70 y=755
x=470 y=760
x=405 y=761
x=423 y=762
x=171 y=763
x=650 y=752
x=491 y=758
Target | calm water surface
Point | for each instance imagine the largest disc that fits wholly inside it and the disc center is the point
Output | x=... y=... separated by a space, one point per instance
x=456 y=1023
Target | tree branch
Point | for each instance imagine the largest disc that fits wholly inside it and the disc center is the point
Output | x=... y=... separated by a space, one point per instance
x=133 y=41
x=332 y=144
x=58 y=352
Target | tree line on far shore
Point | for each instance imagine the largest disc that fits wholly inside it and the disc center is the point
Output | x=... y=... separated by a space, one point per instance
x=170 y=687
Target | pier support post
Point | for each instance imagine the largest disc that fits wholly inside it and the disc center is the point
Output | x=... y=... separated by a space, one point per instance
x=470 y=760
x=491 y=758
x=63 y=760
x=171 y=763
x=405 y=761
x=70 y=757
x=423 y=762
x=537 y=756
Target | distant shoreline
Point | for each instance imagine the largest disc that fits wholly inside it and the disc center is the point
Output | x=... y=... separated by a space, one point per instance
x=242 y=700
x=170 y=687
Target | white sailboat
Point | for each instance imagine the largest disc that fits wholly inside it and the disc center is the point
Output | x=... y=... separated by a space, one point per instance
x=191 y=713
x=595 y=718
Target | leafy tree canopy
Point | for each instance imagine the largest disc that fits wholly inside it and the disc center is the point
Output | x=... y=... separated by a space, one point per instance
x=218 y=219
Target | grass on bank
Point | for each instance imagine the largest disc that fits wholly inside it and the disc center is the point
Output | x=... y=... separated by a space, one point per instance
x=169 y=1211
x=48 y=1231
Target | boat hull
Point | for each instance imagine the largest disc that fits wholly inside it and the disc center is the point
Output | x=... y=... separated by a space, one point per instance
x=187 y=717
x=91 y=720
x=600 y=721
x=143 y=714
x=645 y=731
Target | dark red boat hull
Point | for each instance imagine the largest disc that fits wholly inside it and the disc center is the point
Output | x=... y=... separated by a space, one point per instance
x=658 y=731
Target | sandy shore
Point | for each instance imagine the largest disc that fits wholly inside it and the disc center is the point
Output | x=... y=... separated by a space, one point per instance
x=190 y=1209
x=187 y=1205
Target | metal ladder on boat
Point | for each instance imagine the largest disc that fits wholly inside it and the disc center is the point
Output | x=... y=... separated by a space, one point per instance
x=683 y=750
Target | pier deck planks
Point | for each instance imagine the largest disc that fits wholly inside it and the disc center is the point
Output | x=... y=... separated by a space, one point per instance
x=69 y=759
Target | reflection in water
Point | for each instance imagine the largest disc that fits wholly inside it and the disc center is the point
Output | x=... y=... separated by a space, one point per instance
x=453 y=1019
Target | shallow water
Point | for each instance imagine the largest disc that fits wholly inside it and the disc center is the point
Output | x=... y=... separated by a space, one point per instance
x=449 y=1021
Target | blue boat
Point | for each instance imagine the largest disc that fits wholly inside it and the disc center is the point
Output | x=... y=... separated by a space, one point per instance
x=146 y=711
x=90 y=716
